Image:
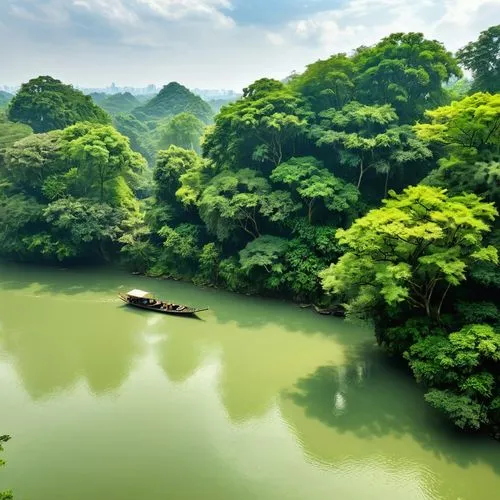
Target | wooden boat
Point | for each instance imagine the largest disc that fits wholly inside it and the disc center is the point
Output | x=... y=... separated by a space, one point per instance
x=144 y=300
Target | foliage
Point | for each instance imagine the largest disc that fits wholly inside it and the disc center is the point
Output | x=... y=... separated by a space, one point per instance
x=463 y=369
x=5 y=98
x=482 y=57
x=45 y=103
x=138 y=134
x=327 y=83
x=101 y=155
x=468 y=128
x=183 y=130
x=412 y=250
x=209 y=263
x=262 y=127
x=11 y=132
x=265 y=251
x=170 y=172
x=367 y=138
x=313 y=183
x=406 y=71
x=118 y=103
x=172 y=100
x=29 y=162
x=233 y=200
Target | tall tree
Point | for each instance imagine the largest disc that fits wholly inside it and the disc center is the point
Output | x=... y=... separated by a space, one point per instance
x=482 y=57
x=327 y=83
x=314 y=183
x=368 y=139
x=29 y=162
x=101 y=155
x=262 y=127
x=171 y=164
x=45 y=103
x=469 y=128
x=232 y=200
x=183 y=130
x=413 y=249
x=406 y=71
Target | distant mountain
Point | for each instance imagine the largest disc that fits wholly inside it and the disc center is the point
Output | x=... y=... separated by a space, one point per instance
x=5 y=97
x=144 y=98
x=119 y=103
x=173 y=99
x=218 y=103
x=98 y=97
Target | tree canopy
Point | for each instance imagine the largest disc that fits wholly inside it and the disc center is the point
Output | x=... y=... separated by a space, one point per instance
x=45 y=104
x=482 y=57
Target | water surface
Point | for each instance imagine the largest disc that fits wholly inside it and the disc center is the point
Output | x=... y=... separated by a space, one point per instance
x=258 y=400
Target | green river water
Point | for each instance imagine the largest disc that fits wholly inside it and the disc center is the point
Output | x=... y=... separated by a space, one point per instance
x=258 y=400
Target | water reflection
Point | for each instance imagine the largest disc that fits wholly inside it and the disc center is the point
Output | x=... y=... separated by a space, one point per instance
x=346 y=406
x=369 y=407
x=55 y=343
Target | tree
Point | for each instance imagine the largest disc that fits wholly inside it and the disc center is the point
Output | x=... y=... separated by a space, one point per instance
x=368 y=138
x=20 y=217
x=209 y=263
x=462 y=370
x=171 y=165
x=29 y=162
x=469 y=128
x=327 y=83
x=138 y=133
x=181 y=251
x=314 y=183
x=266 y=252
x=412 y=250
x=406 y=71
x=183 y=130
x=359 y=133
x=173 y=99
x=78 y=228
x=261 y=127
x=231 y=200
x=101 y=154
x=482 y=57
x=45 y=103
x=6 y=495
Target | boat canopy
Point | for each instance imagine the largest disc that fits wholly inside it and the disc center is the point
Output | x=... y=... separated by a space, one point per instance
x=139 y=294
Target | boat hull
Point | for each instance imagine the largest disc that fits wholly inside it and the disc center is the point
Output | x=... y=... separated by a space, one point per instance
x=188 y=311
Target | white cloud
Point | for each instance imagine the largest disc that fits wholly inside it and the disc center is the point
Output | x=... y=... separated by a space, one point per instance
x=364 y=22
x=198 y=43
x=275 y=39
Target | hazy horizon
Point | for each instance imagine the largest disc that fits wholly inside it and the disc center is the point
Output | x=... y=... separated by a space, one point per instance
x=210 y=44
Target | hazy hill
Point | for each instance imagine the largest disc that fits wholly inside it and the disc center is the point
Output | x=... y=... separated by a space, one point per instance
x=217 y=104
x=5 y=97
x=119 y=103
x=173 y=99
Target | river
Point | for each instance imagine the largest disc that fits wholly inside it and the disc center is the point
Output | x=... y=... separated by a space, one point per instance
x=258 y=400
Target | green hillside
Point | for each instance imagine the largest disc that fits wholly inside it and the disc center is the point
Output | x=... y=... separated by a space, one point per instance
x=119 y=103
x=173 y=99
x=5 y=97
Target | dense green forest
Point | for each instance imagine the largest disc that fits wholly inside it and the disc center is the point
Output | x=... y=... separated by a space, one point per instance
x=370 y=182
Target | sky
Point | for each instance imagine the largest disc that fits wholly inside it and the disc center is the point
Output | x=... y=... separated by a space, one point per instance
x=211 y=43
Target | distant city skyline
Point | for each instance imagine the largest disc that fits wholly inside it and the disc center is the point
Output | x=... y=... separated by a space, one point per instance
x=211 y=44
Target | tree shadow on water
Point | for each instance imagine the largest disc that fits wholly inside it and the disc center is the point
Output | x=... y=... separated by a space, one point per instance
x=373 y=397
